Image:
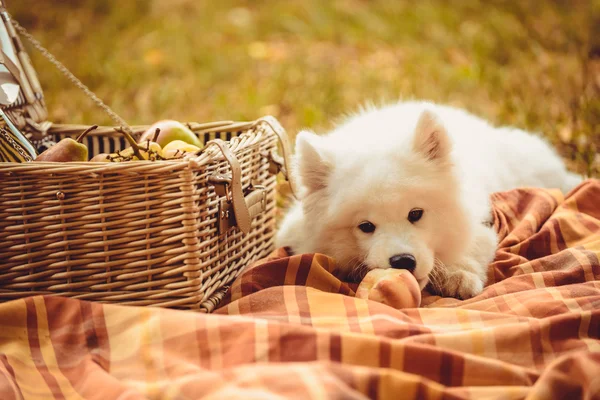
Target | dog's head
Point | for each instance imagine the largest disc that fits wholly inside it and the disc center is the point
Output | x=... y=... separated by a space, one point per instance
x=394 y=204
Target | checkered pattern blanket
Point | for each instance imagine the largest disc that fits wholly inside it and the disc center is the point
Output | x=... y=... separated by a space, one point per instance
x=288 y=328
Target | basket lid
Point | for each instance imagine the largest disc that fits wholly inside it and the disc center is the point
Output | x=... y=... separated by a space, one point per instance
x=21 y=95
x=9 y=71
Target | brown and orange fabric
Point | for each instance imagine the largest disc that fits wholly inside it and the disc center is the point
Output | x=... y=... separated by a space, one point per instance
x=289 y=329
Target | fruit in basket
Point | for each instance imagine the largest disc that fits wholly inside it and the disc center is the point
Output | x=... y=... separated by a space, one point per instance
x=147 y=151
x=144 y=150
x=67 y=150
x=169 y=131
x=178 y=149
x=150 y=151
x=101 y=157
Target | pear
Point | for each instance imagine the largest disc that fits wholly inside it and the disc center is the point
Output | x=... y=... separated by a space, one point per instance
x=150 y=151
x=181 y=145
x=169 y=131
x=178 y=149
x=67 y=150
x=146 y=150
x=102 y=157
x=150 y=146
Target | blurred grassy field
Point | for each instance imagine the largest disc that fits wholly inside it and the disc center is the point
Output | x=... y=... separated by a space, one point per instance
x=532 y=64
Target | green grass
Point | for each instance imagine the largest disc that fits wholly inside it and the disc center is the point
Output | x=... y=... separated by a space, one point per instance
x=530 y=64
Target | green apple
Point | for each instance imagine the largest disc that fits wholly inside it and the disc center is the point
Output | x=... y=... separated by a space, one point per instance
x=169 y=131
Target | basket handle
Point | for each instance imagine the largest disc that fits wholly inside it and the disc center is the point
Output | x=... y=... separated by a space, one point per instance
x=277 y=164
x=245 y=208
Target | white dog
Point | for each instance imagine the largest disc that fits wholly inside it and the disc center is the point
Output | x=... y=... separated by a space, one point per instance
x=408 y=186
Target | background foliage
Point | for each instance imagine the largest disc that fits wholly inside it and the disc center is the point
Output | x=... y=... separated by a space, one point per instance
x=528 y=63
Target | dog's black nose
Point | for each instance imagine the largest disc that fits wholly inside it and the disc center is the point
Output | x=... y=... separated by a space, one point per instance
x=403 y=261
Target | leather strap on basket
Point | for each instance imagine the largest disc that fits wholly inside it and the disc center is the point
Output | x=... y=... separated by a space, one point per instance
x=283 y=166
x=240 y=208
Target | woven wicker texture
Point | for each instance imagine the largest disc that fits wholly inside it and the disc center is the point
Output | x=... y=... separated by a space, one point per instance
x=138 y=233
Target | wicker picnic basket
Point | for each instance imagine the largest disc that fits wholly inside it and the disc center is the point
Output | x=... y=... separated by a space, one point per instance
x=169 y=233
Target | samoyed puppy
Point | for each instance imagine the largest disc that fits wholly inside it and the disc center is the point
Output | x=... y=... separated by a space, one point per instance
x=408 y=186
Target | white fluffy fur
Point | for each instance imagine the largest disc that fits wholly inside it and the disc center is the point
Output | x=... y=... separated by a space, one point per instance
x=382 y=163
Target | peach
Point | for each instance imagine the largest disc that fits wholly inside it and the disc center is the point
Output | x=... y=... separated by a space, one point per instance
x=393 y=287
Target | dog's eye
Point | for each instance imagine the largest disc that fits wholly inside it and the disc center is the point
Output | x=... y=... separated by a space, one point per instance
x=415 y=214
x=366 y=227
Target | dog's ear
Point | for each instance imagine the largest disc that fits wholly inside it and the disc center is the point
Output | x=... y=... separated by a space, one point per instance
x=431 y=138
x=311 y=162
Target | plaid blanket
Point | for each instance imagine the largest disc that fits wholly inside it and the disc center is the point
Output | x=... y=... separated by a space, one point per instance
x=288 y=328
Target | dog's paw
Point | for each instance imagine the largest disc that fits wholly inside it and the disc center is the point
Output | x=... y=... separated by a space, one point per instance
x=461 y=285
